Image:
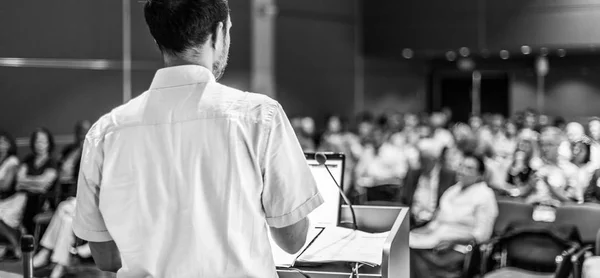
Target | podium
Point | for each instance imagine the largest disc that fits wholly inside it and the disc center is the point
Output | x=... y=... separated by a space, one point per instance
x=371 y=219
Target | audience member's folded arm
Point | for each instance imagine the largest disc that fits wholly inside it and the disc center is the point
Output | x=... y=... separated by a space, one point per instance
x=485 y=217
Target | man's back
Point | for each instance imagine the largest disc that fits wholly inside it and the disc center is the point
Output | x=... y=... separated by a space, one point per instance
x=186 y=178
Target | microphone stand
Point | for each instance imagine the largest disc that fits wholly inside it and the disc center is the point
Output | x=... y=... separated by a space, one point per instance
x=322 y=159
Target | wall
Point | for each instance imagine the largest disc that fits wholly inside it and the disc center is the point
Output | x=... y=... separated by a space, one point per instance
x=84 y=29
x=395 y=85
x=432 y=27
x=315 y=57
x=572 y=89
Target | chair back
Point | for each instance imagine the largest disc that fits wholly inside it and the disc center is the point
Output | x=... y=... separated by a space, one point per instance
x=510 y=211
x=586 y=217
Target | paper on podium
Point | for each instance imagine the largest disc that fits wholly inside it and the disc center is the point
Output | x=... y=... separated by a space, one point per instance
x=285 y=259
x=336 y=244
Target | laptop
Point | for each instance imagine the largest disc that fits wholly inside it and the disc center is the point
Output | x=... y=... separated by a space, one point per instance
x=328 y=213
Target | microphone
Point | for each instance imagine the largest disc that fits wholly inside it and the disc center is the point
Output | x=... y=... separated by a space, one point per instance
x=321 y=158
x=27 y=246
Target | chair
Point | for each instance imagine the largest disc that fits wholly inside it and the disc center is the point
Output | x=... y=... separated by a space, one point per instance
x=586 y=217
x=53 y=196
x=510 y=211
x=506 y=246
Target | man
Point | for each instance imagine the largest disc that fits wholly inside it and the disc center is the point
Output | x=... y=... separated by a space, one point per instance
x=555 y=180
x=423 y=187
x=187 y=179
x=467 y=213
x=70 y=159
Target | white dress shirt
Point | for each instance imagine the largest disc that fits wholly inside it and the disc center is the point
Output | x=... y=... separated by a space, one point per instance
x=187 y=177
x=463 y=214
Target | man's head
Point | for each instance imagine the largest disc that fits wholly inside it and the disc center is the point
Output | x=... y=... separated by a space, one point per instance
x=550 y=140
x=429 y=154
x=594 y=128
x=191 y=31
x=81 y=130
x=471 y=169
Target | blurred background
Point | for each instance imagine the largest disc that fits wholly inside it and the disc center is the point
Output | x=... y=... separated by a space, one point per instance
x=389 y=83
x=64 y=59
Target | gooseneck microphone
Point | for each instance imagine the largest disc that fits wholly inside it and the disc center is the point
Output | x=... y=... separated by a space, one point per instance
x=321 y=158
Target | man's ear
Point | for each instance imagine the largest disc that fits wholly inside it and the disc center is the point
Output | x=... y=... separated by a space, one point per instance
x=218 y=34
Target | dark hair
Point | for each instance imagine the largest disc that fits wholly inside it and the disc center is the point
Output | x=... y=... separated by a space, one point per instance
x=34 y=137
x=480 y=163
x=364 y=117
x=12 y=150
x=587 y=146
x=177 y=25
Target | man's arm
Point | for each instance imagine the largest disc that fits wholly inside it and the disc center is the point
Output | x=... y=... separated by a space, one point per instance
x=291 y=238
x=106 y=255
x=289 y=190
x=88 y=223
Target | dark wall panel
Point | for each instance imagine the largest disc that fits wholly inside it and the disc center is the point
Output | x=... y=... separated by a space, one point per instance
x=77 y=29
x=315 y=57
x=55 y=98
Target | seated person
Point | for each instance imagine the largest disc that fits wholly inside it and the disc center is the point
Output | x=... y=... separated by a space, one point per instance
x=59 y=238
x=467 y=213
x=555 y=180
x=381 y=163
x=70 y=161
x=423 y=187
x=592 y=192
x=37 y=175
x=11 y=203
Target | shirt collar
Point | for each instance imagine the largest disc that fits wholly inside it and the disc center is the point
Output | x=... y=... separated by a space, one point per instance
x=181 y=76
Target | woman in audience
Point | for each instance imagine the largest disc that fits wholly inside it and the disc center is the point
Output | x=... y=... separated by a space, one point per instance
x=594 y=132
x=59 y=238
x=592 y=192
x=519 y=173
x=37 y=175
x=11 y=204
x=581 y=158
x=467 y=213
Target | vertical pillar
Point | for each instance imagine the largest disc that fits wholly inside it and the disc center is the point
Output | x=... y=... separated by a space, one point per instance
x=263 y=47
x=126 y=50
x=542 y=68
x=476 y=93
x=359 y=64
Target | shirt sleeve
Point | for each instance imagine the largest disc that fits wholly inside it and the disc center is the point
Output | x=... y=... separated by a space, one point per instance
x=486 y=213
x=289 y=190
x=89 y=224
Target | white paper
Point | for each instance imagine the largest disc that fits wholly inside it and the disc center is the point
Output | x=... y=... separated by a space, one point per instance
x=326 y=214
x=285 y=259
x=337 y=244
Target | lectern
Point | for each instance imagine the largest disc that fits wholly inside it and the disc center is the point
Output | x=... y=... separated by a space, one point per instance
x=372 y=219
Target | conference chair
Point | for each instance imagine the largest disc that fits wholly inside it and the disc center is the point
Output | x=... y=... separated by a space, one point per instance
x=591 y=265
x=586 y=217
x=42 y=219
x=536 y=249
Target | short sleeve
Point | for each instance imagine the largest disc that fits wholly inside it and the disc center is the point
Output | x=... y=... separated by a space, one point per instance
x=89 y=224
x=289 y=190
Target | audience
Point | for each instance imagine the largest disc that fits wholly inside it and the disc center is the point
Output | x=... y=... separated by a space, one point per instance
x=11 y=203
x=59 y=239
x=467 y=213
x=423 y=187
x=37 y=175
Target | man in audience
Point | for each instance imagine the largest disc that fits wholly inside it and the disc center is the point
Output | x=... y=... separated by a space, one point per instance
x=555 y=180
x=423 y=187
x=467 y=213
